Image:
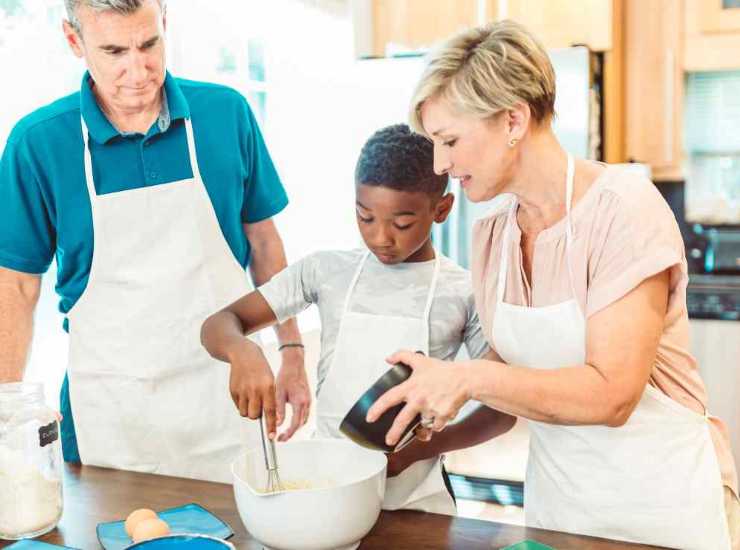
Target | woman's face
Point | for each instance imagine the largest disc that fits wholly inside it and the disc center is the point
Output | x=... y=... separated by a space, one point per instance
x=473 y=149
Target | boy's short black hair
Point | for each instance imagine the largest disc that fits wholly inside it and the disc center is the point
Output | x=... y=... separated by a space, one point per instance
x=398 y=158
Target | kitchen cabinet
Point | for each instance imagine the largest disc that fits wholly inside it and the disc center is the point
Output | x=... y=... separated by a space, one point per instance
x=403 y=25
x=563 y=23
x=654 y=86
x=712 y=35
x=716 y=347
x=384 y=27
x=415 y=24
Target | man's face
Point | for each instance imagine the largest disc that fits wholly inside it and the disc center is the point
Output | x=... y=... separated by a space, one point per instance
x=125 y=54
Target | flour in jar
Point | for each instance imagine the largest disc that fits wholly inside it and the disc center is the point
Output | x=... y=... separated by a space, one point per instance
x=29 y=501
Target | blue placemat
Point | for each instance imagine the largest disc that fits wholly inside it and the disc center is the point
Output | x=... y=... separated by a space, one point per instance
x=190 y=518
x=30 y=544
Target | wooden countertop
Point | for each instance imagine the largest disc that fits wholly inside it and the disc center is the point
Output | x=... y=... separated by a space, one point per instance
x=94 y=495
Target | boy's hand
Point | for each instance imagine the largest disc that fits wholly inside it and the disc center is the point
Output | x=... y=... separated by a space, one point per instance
x=414 y=451
x=252 y=385
x=397 y=463
x=293 y=389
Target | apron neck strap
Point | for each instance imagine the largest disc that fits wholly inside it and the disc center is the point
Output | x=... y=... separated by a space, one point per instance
x=88 y=161
x=569 y=182
x=430 y=294
x=503 y=264
x=432 y=287
x=191 y=150
x=511 y=219
x=353 y=283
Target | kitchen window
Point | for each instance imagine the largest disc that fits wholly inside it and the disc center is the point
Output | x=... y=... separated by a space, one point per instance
x=712 y=137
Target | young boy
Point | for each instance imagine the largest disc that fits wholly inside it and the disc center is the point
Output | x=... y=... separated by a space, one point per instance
x=396 y=294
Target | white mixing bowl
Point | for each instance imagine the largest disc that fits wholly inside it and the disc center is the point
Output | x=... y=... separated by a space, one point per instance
x=346 y=486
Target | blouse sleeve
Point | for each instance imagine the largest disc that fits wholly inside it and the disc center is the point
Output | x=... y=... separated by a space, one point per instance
x=635 y=236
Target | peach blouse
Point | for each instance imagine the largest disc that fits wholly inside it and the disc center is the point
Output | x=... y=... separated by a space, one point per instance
x=624 y=232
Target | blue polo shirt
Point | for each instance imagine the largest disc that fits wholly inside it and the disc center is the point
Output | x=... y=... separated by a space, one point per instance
x=45 y=209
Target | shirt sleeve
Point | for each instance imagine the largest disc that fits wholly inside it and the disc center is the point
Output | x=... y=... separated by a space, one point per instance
x=27 y=237
x=475 y=341
x=635 y=237
x=264 y=192
x=293 y=289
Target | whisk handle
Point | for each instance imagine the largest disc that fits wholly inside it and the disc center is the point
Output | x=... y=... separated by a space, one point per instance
x=268 y=448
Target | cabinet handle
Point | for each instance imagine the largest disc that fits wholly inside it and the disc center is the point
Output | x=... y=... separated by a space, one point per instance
x=668 y=93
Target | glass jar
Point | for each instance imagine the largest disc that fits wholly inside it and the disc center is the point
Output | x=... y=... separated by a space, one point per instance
x=30 y=463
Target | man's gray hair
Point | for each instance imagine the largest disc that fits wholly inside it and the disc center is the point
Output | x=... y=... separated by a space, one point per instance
x=124 y=7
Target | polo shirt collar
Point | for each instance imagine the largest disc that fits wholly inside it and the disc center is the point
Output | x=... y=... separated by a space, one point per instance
x=101 y=129
x=176 y=102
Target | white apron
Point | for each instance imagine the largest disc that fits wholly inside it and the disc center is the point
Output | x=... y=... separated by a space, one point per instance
x=145 y=395
x=655 y=480
x=363 y=343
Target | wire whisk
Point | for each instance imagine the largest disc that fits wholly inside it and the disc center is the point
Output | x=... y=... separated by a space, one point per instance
x=271 y=464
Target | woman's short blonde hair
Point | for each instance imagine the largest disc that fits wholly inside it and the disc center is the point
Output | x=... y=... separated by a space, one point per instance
x=486 y=70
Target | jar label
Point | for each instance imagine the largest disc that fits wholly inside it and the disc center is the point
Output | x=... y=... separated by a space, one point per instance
x=48 y=434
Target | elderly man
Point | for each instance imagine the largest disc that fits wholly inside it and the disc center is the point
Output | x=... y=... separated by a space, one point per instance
x=154 y=194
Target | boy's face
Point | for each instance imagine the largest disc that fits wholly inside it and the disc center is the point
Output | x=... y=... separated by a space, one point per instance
x=395 y=225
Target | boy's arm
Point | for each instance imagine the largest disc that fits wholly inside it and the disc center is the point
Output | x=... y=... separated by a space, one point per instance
x=251 y=383
x=481 y=425
x=223 y=333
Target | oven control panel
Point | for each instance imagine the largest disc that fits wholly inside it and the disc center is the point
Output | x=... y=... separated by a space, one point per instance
x=713 y=297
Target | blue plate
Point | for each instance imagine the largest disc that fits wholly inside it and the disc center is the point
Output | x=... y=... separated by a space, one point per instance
x=190 y=519
x=182 y=542
x=30 y=544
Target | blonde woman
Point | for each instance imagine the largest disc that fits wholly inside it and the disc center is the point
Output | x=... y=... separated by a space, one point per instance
x=580 y=282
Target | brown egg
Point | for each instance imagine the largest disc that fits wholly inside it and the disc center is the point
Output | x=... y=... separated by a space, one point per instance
x=137 y=516
x=150 y=529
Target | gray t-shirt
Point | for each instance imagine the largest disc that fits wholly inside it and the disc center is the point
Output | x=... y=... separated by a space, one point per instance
x=323 y=278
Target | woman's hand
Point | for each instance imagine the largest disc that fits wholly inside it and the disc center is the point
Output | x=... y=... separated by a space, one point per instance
x=435 y=390
x=293 y=389
x=252 y=384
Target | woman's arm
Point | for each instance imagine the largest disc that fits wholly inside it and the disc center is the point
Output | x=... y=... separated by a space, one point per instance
x=622 y=342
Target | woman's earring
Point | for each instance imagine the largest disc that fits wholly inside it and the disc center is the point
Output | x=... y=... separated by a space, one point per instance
x=512 y=142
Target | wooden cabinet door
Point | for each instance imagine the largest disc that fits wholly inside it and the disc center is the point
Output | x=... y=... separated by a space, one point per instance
x=558 y=23
x=712 y=35
x=414 y=24
x=563 y=23
x=719 y=16
x=654 y=86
